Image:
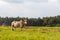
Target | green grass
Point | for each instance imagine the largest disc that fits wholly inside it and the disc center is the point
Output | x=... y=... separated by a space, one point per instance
x=33 y=33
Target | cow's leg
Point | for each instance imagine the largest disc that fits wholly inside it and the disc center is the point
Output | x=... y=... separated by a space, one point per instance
x=21 y=27
x=12 y=28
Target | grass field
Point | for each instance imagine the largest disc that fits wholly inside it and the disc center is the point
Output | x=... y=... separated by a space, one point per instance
x=32 y=33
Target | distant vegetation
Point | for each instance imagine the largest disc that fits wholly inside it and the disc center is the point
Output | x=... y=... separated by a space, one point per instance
x=45 y=21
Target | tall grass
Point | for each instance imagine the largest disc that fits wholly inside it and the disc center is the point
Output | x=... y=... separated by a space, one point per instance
x=32 y=33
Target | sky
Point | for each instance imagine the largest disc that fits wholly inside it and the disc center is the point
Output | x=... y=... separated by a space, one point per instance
x=29 y=8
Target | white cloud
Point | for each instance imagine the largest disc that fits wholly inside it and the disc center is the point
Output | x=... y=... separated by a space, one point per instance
x=3 y=3
x=14 y=1
x=38 y=1
x=53 y=1
x=42 y=9
x=29 y=8
x=10 y=9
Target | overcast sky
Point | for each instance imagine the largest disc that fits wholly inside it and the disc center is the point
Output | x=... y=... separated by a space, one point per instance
x=29 y=8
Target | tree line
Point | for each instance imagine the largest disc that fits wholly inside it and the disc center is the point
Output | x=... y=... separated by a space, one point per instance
x=45 y=21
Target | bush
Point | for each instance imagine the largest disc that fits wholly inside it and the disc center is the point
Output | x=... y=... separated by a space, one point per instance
x=58 y=25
